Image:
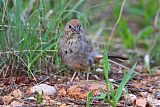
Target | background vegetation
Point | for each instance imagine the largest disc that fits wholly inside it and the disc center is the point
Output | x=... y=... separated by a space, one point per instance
x=31 y=29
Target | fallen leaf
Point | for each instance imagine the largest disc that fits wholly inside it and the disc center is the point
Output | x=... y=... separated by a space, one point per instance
x=24 y=80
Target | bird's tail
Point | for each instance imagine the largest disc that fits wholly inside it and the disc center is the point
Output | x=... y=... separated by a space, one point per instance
x=97 y=56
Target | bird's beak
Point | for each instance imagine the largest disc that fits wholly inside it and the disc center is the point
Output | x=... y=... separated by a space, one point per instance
x=77 y=29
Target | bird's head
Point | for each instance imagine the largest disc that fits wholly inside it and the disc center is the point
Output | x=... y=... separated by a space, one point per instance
x=73 y=26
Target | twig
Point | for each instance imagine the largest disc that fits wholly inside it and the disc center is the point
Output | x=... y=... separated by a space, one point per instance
x=8 y=26
x=27 y=11
x=122 y=66
x=118 y=64
x=157 y=18
x=119 y=17
x=4 y=11
x=27 y=51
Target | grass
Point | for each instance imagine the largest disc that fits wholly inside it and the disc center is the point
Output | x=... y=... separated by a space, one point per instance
x=39 y=98
x=30 y=30
x=88 y=99
x=33 y=38
x=115 y=94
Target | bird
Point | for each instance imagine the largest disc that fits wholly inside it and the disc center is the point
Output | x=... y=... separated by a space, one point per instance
x=75 y=50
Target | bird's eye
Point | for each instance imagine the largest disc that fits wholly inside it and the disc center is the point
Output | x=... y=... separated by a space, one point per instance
x=69 y=26
x=80 y=27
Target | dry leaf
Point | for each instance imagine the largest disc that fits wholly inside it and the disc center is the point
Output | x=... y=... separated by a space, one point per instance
x=24 y=80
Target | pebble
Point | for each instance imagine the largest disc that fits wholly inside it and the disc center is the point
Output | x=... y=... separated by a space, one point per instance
x=44 y=88
x=158 y=95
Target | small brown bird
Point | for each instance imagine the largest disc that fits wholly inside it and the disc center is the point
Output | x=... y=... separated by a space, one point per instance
x=75 y=50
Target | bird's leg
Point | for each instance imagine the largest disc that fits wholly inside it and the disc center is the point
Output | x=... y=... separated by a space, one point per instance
x=88 y=69
x=87 y=76
x=73 y=76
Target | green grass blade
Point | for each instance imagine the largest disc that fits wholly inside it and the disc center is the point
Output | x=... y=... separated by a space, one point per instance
x=88 y=98
x=77 y=4
x=123 y=83
x=105 y=66
x=106 y=69
x=101 y=96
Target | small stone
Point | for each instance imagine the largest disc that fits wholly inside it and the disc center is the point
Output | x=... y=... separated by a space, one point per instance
x=99 y=70
x=141 y=102
x=1 y=101
x=112 y=80
x=158 y=95
x=44 y=88
x=17 y=94
x=130 y=98
x=16 y=104
x=30 y=99
x=152 y=101
x=7 y=99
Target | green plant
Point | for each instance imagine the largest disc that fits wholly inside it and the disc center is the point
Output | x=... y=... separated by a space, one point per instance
x=39 y=98
x=114 y=94
x=30 y=32
x=155 y=50
x=126 y=34
x=88 y=99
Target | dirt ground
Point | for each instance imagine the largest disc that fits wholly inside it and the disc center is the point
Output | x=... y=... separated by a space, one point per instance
x=143 y=90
